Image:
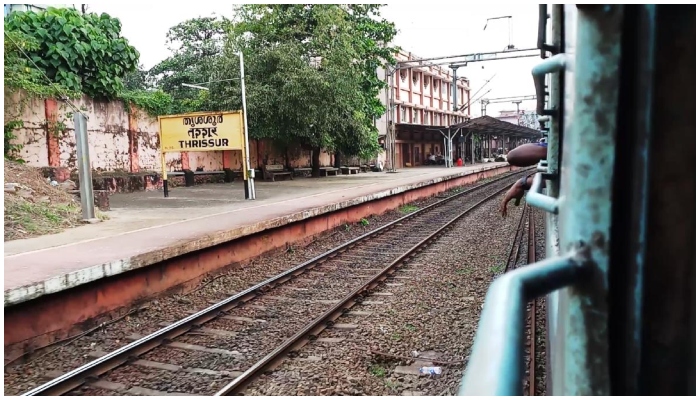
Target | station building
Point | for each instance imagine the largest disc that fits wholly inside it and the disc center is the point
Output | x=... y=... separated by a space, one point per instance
x=421 y=119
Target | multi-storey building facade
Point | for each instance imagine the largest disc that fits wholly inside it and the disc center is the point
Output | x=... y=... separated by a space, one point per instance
x=422 y=96
x=417 y=97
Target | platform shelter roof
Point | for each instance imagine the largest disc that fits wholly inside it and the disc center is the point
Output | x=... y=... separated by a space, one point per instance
x=486 y=125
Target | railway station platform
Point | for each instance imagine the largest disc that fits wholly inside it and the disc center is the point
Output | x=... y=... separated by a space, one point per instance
x=145 y=228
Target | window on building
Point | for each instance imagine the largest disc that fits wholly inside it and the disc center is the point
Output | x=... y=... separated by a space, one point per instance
x=426 y=81
x=426 y=118
x=415 y=116
x=415 y=78
x=403 y=114
x=444 y=87
x=403 y=74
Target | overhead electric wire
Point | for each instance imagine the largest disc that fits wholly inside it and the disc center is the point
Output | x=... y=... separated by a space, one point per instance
x=477 y=92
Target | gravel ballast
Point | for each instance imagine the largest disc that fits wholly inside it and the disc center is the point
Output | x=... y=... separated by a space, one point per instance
x=430 y=309
x=153 y=314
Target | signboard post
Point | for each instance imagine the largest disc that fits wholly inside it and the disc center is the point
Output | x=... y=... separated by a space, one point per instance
x=249 y=176
x=203 y=131
x=87 y=196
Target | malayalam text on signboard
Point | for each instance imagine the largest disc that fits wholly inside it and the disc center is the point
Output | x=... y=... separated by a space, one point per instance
x=201 y=132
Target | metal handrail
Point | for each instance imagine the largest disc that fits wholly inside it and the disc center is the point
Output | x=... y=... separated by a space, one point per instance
x=535 y=197
x=495 y=367
x=553 y=64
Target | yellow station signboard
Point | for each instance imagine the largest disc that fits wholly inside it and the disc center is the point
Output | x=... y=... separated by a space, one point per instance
x=203 y=131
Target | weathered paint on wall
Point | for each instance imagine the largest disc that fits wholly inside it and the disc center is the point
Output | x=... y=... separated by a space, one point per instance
x=119 y=141
x=33 y=134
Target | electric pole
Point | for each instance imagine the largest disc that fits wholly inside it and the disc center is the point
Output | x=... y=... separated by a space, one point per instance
x=517 y=111
x=511 y=99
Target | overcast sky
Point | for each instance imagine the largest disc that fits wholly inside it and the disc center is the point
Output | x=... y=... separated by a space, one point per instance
x=428 y=29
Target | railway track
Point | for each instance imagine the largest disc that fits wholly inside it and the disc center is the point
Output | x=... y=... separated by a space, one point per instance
x=252 y=331
x=525 y=238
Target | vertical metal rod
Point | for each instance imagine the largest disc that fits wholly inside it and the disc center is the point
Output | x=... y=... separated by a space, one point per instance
x=389 y=118
x=555 y=122
x=472 y=149
x=393 y=109
x=87 y=197
x=585 y=216
x=552 y=220
x=489 y=144
x=165 y=174
x=450 y=136
x=248 y=176
x=454 y=89
x=444 y=146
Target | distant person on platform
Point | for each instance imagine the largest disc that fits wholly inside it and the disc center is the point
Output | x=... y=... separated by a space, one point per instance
x=432 y=158
x=523 y=156
x=379 y=164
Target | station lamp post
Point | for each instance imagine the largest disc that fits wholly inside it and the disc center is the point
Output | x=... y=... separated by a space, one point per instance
x=249 y=182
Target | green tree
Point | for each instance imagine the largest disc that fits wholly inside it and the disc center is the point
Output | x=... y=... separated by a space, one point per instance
x=84 y=53
x=137 y=79
x=196 y=47
x=371 y=36
x=311 y=79
x=20 y=74
x=311 y=72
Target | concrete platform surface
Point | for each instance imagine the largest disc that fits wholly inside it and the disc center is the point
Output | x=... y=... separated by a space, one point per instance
x=145 y=228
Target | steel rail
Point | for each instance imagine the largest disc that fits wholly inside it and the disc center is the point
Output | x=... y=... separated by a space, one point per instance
x=73 y=379
x=531 y=259
x=517 y=241
x=313 y=329
x=511 y=265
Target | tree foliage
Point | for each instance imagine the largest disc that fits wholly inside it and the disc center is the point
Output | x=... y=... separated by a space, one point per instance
x=84 y=53
x=371 y=37
x=137 y=79
x=313 y=73
x=20 y=74
x=196 y=47
x=296 y=82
